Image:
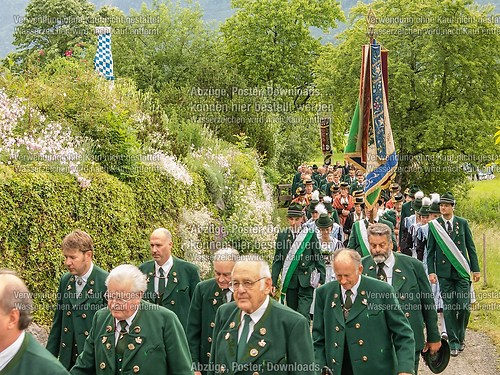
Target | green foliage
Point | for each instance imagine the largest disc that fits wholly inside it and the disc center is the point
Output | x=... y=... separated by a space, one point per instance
x=482 y=203
x=443 y=83
x=38 y=209
x=270 y=42
x=69 y=92
x=51 y=28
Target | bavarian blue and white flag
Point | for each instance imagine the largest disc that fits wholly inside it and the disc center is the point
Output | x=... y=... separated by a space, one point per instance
x=370 y=145
x=103 y=60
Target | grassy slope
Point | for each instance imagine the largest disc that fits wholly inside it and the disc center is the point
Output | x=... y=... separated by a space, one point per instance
x=486 y=312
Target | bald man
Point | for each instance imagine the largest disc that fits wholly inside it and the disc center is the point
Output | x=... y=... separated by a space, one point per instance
x=171 y=281
x=20 y=353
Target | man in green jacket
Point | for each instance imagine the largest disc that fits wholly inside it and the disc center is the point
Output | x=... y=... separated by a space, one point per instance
x=208 y=296
x=297 y=255
x=171 y=281
x=80 y=295
x=21 y=354
x=359 y=327
x=131 y=335
x=451 y=259
x=409 y=280
x=256 y=334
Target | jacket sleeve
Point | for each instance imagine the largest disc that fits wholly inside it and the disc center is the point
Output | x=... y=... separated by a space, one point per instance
x=54 y=340
x=85 y=362
x=278 y=257
x=431 y=253
x=318 y=329
x=471 y=248
x=194 y=325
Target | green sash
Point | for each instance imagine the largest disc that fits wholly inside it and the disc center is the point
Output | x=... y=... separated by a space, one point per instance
x=450 y=250
x=362 y=237
x=292 y=259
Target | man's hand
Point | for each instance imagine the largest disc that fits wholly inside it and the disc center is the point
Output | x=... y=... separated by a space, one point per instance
x=433 y=278
x=476 y=276
x=432 y=346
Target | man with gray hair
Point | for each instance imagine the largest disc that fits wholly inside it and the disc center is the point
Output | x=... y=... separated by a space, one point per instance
x=170 y=280
x=358 y=325
x=256 y=334
x=20 y=353
x=208 y=296
x=132 y=335
x=409 y=280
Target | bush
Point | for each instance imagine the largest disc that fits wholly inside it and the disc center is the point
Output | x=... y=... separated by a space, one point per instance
x=37 y=209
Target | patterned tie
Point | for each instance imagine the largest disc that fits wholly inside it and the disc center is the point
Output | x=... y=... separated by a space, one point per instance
x=79 y=280
x=121 y=344
x=161 y=282
x=449 y=229
x=242 y=344
x=381 y=275
x=347 y=303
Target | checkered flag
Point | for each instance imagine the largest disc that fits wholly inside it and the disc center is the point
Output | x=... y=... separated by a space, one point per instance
x=103 y=60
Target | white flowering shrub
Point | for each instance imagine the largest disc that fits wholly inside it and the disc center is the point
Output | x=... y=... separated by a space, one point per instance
x=169 y=164
x=45 y=142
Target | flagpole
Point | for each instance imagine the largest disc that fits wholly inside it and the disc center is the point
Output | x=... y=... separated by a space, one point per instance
x=371 y=22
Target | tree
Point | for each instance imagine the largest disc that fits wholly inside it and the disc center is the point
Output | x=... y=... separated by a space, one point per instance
x=270 y=41
x=52 y=27
x=443 y=84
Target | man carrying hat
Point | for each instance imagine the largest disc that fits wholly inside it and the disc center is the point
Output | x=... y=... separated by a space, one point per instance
x=297 y=255
x=409 y=280
x=451 y=259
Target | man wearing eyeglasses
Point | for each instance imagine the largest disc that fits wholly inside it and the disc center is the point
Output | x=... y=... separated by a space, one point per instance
x=80 y=295
x=132 y=335
x=256 y=334
x=171 y=281
x=208 y=296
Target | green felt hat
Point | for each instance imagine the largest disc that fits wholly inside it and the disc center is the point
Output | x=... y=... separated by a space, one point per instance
x=295 y=210
x=324 y=221
x=447 y=198
x=390 y=215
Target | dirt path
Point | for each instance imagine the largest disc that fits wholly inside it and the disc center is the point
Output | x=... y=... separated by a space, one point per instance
x=479 y=357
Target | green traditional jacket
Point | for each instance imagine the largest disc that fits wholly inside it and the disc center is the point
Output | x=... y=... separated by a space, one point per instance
x=156 y=344
x=461 y=235
x=31 y=359
x=207 y=298
x=279 y=344
x=73 y=316
x=310 y=259
x=182 y=280
x=378 y=335
x=414 y=294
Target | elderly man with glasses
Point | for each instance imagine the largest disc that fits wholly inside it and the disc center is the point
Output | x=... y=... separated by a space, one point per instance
x=256 y=334
x=133 y=336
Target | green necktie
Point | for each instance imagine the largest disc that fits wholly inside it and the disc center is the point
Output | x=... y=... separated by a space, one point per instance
x=348 y=303
x=242 y=344
x=161 y=282
x=381 y=275
x=121 y=344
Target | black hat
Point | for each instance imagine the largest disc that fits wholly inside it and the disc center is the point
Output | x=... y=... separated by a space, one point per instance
x=358 y=193
x=344 y=184
x=300 y=191
x=438 y=362
x=334 y=188
x=398 y=198
x=395 y=187
x=315 y=167
x=359 y=200
x=295 y=210
x=308 y=182
x=447 y=198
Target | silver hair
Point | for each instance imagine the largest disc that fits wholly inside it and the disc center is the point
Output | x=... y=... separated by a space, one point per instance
x=226 y=254
x=128 y=274
x=380 y=229
x=264 y=271
x=353 y=254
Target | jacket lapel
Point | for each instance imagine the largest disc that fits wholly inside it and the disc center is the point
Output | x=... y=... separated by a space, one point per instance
x=259 y=342
x=150 y=291
x=216 y=297
x=336 y=305
x=360 y=303
x=398 y=279
x=135 y=339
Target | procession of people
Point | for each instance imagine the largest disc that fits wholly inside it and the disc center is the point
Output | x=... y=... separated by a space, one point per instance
x=351 y=289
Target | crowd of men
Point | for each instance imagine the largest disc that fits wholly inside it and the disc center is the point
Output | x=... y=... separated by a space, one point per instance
x=370 y=282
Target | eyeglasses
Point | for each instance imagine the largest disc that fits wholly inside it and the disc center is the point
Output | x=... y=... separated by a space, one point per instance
x=116 y=297
x=245 y=284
